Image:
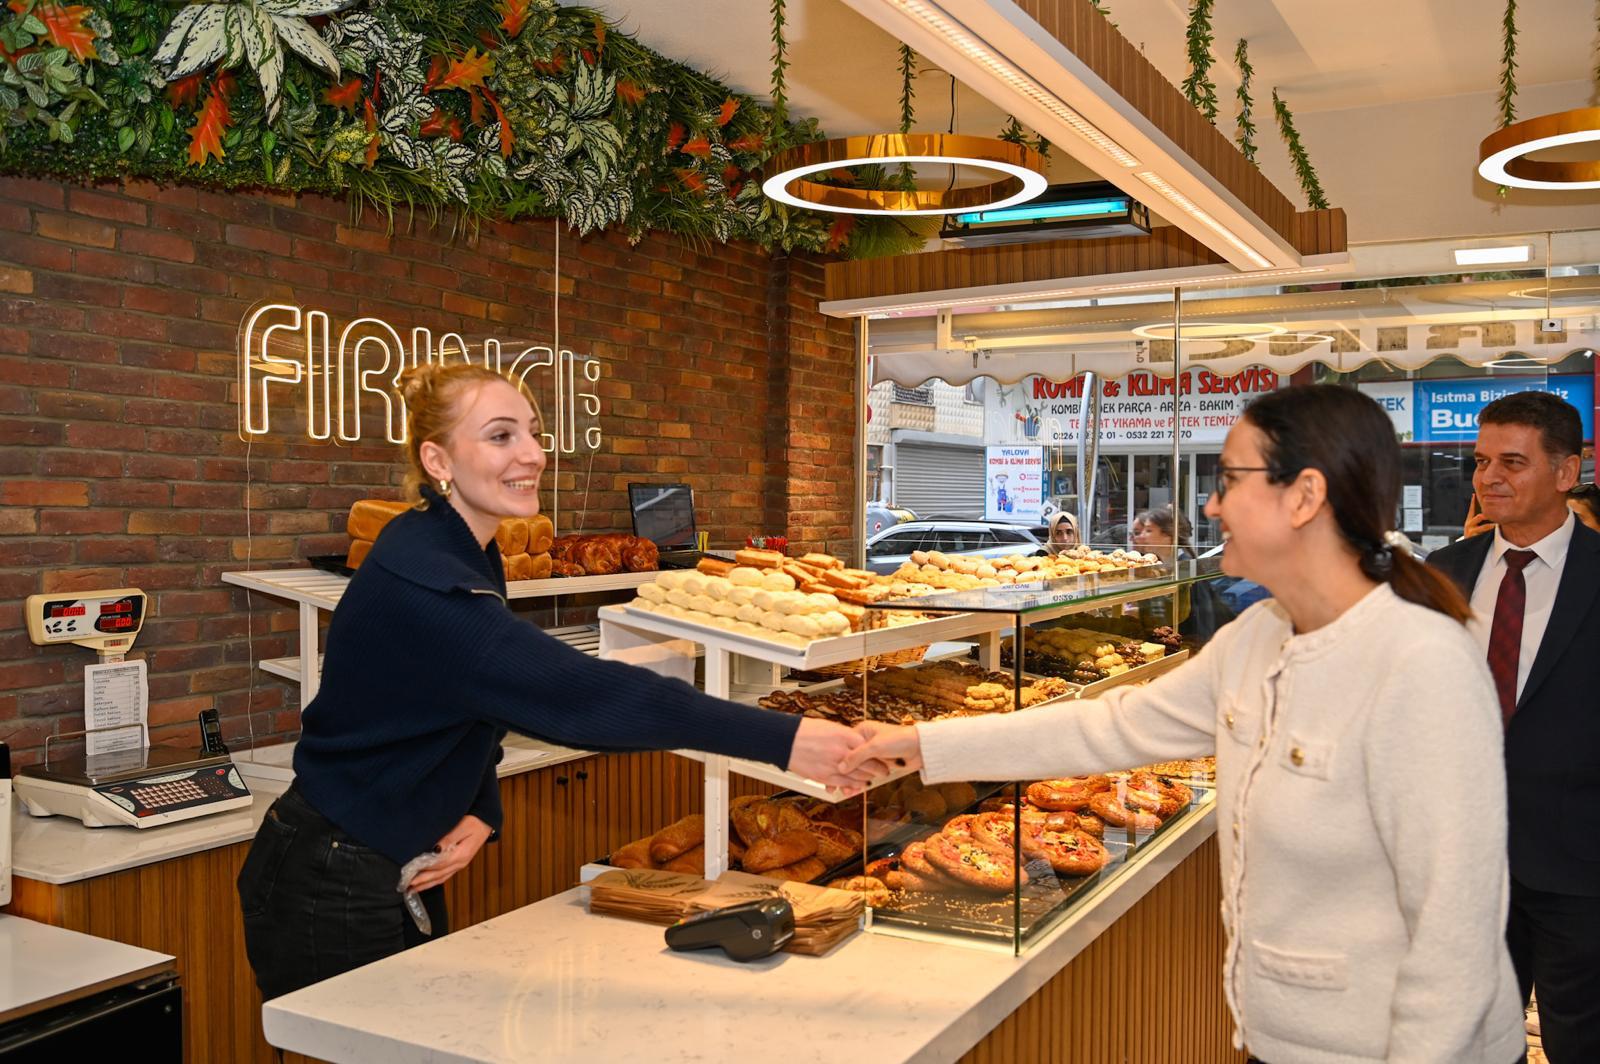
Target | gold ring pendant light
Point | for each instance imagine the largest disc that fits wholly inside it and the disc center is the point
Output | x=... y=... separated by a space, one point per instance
x=1021 y=174
x=1503 y=155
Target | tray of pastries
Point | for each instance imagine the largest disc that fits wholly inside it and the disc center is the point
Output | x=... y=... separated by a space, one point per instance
x=907 y=695
x=1085 y=657
x=959 y=572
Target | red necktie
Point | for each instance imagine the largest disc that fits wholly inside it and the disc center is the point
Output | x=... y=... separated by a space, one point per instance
x=1505 y=635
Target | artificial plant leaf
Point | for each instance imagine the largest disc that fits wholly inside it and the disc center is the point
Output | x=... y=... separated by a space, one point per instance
x=304 y=8
x=467 y=72
x=513 y=15
x=206 y=42
x=64 y=27
x=261 y=47
x=176 y=33
x=205 y=136
x=298 y=34
x=345 y=96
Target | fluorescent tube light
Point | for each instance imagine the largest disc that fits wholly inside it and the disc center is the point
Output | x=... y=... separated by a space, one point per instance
x=1492 y=256
x=1032 y=212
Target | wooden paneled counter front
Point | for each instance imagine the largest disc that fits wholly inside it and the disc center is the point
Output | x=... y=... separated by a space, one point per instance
x=1146 y=989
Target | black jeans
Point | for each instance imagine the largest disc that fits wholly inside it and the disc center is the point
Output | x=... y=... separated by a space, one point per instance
x=316 y=903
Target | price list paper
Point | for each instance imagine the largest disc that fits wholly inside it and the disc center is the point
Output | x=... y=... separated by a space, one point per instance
x=115 y=696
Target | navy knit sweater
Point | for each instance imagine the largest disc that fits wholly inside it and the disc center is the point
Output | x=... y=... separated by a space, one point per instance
x=426 y=668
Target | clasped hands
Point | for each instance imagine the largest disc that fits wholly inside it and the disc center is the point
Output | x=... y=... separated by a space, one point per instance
x=851 y=758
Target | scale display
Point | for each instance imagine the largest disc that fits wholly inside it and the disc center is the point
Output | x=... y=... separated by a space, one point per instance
x=102 y=620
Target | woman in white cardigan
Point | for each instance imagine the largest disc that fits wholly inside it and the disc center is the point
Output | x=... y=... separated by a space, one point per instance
x=1360 y=788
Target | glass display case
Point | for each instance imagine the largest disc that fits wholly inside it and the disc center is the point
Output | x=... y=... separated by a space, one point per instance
x=1009 y=859
x=1002 y=862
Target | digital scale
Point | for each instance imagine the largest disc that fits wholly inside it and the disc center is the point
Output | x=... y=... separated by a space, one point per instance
x=141 y=786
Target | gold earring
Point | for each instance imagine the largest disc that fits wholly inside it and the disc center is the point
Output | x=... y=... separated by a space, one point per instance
x=444 y=487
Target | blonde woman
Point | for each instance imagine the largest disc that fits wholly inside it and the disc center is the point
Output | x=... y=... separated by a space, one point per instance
x=426 y=669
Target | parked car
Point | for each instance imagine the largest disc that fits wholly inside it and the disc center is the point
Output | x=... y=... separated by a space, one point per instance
x=892 y=547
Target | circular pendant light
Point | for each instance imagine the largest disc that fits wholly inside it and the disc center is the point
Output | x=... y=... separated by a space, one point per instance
x=1021 y=174
x=1503 y=155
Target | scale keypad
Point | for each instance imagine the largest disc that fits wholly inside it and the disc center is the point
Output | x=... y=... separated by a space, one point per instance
x=171 y=791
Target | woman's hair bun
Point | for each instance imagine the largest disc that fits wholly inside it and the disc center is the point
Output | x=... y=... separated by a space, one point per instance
x=419 y=381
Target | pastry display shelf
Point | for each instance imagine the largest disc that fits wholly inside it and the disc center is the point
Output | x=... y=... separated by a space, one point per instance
x=584 y=637
x=665 y=643
x=315 y=590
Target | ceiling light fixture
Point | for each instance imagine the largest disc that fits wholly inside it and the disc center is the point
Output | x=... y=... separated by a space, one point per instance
x=959 y=37
x=1161 y=185
x=1492 y=256
x=1503 y=157
x=1022 y=169
x=1211 y=330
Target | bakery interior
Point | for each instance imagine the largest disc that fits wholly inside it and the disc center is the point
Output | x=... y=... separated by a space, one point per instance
x=813 y=378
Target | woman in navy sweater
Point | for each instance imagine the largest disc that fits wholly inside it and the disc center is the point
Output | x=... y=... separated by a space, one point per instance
x=425 y=671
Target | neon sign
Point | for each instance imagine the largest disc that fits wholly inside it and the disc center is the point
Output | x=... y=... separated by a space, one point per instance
x=288 y=354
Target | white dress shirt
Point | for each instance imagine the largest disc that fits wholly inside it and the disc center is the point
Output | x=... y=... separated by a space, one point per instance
x=1542 y=577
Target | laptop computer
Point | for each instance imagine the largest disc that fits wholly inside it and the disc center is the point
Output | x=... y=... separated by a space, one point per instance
x=664 y=514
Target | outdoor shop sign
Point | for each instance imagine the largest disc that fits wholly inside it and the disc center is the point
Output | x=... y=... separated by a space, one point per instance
x=1399 y=401
x=1013 y=484
x=1447 y=410
x=1134 y=411
x=300 y=376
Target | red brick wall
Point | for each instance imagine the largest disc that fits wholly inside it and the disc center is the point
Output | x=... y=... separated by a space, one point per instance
x=120 y=462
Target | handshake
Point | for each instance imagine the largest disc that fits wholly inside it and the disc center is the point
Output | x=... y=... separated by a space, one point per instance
x=851 y=758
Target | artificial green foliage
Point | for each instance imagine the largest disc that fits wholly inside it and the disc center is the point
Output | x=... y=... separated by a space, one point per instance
x=1014 y=132
x=1246 y=138
x=908 y=110
x=1303 y=171
x=780 y=69
x=1198 y=86
x=484 y=109
x=1100 y=6
x=1508 y=66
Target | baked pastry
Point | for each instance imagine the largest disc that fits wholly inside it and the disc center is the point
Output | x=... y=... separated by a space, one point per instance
x=1070 y=853
x=996 y=831
x=876 y=891
x=512 y=537
x=1071 y=793
x=678 y=838
x=691 y=861
x=358 y=552
x=714 y=566
x=802 y=871
x=518 y=567
x=759 y=559
x=1123 y=813
x=821 y=561
x=640 y=556
x=973 y=865
x=538 y=566
x=635 y=854
x=368 y=516
x=541 y=534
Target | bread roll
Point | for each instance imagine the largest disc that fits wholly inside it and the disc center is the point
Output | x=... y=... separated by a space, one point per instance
x=368 y=516
x=784 y=848
x=714 y=566
x=692 y=861
x=358 y=552
x=512 y=537
x=635 y=854
x=821 y=561
x=539 y=566
x=541 y=534
x=679 y=838
x=759 y=559
x=519 y=567
x=745 y=576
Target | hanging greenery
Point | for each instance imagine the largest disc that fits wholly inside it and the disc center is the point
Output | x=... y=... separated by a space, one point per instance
x=1016 y=133
x=1507 y=100
x=908 y=111
x=1198 y=87
x=1303 y=171
x=1246 y=137
x=1100 y=6
x=780 y=68
x=487 y=108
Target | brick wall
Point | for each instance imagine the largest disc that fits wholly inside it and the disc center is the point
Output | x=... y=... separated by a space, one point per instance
x=120 y=462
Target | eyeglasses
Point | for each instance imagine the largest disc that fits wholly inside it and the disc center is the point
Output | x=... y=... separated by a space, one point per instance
x=1225 y=472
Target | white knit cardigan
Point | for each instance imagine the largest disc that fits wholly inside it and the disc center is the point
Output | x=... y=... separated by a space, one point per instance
x=1361 y=816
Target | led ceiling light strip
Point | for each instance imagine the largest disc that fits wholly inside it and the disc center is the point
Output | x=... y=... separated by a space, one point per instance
x=1021 y=169
x=1178 y=199
x=957 y=36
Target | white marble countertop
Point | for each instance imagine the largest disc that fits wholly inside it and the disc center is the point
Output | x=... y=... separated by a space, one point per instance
x=554 y=983
x=42 y=966
x=58 y=849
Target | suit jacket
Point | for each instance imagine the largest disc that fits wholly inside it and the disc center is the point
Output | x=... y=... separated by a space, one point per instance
x=1553 y=740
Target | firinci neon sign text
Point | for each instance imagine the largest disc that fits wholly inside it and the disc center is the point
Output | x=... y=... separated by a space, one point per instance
x=289 y=357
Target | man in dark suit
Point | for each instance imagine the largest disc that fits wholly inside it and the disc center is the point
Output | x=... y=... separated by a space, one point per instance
x=1534 y=585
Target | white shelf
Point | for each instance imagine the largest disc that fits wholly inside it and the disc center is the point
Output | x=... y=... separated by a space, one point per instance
x=584 y=637
x=314 y=587
x=818 y=652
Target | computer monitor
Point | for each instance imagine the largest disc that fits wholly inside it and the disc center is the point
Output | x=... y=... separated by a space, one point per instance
x=663 y=514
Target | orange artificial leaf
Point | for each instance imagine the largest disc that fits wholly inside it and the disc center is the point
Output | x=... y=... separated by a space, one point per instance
x=839 y=232
x=513 y=15
x=345 y=96
x=675 y=135
x=599 y=35
x=226 y=85
x=435 y=72
x=377 y=87
x=454 y=129
x=749 y=142
x=699 y=147
x=730 y=174
x=589 y=56
x=185 y=92
x=734 y=189
x=467 y=72
x=508 y=139
x=556 y=64
x=371 y=115
x=205 y=137
x=489 y=41
x=729 y=108
x=434 y=125
x=64 y=28
x=372 y=151
x=476 y=112
x=691 y=180
x=629 y=93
